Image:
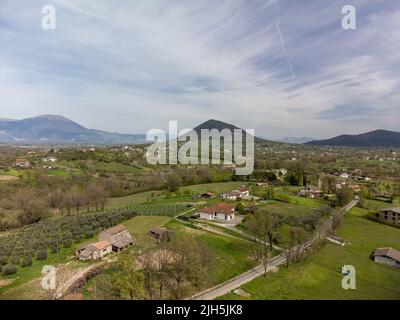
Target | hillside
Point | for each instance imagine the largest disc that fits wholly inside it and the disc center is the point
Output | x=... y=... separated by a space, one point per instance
x=48 y=129
x=377 y=138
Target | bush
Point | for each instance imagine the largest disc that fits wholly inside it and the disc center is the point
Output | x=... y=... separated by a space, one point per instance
x=3 y=260
x=15 y=260
x=67 y=243
x=9 y=269
x=26 y=262
x=41 y=254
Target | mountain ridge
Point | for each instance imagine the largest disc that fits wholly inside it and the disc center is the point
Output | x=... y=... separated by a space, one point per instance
x=45 y=129
x=375 y=138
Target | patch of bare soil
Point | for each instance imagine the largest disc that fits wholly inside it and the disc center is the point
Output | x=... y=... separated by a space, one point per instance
x=4 y=282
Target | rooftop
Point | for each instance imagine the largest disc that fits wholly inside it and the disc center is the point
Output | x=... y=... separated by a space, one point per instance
x=220 y=207
x=388 y=252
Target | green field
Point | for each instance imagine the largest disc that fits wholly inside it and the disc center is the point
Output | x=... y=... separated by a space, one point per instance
x=231 y=256
x=139 y=227
x=319 y=275
x=218 y=187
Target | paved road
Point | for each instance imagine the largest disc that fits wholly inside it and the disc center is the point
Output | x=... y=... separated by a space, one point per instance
x=238 y=281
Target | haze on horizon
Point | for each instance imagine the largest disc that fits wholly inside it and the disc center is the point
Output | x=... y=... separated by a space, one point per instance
x=282 y=67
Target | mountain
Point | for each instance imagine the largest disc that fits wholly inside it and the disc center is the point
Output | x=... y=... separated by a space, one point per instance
x=219 y=125
x=377 y=138
x=52 y=129
x=295 y=140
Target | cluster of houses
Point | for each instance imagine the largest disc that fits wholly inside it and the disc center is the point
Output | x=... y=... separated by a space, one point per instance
x=110 y=240
x=235 y=194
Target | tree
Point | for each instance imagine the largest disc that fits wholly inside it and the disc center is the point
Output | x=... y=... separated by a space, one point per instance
x=174 y=182
x=296 y=246
x=344 y=195
x=190 y=263
x=262 y=227
x=129 y=280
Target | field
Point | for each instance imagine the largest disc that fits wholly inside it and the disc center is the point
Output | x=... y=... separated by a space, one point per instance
x=232 y=256
x=140 y=226
x=319 y=275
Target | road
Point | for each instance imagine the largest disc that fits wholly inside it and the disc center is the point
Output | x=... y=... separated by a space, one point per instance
x=238 y=281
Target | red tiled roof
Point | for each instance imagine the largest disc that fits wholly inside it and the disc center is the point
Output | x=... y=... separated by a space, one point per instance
x=220 y=208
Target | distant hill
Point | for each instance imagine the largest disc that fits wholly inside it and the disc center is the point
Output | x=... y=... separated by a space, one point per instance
x=219 y=125
x=295 y=140
x=377 y=138
x=53 y=129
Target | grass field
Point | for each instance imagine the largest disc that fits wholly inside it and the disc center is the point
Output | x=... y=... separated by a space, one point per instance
x=140 y=226
x=218 y=187
x=132 y=199
x=319 y=275
x=232 y=256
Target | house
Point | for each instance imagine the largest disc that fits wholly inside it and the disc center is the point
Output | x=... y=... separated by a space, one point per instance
x=22 y=163
x=388 y=256
x=49 y=159
x=118 y=236
x=207 y=195
x=262 y=184
x=344 y=175
x=391 y=215
x=220 y=211
x=94 y=251
x=310 y=192
x=241 y=193
x=160 y=233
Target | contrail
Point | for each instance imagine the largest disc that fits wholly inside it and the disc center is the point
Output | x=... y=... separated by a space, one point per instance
x=278 y=27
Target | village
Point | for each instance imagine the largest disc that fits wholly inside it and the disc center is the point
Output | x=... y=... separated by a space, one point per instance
x=110 y=205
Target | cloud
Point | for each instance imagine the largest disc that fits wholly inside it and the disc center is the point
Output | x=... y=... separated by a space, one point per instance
x=130 y=66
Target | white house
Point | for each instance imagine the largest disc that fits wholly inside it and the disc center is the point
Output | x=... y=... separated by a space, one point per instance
x=220 y=211
x=344 y=175
x=241 y=193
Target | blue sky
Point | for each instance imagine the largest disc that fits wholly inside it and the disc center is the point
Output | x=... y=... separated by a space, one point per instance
x=282 y=67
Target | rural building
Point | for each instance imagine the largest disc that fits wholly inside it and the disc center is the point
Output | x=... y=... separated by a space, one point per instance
x=388 y=256
x=262 y=184
x=241 y=193
x=207 y=195
x=22 y=163
x=344 y=175
x=160 y=233
x=94 y=251
x=220 y=211
x=310 y=192
x=49 y=159
x=391 y=215
x=118 y=236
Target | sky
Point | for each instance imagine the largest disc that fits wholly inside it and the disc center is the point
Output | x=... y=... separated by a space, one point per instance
x=281 y=67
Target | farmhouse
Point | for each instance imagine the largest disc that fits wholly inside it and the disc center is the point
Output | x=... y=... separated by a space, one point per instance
x=118 y=236
x=391 y=215
x=262 y=184
x=220 y=211
x=22 y=163
x=49 y=159
x=310 y=192
x=207 y=195
x=94 y=251
x=388 y=256
x=241 y=193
